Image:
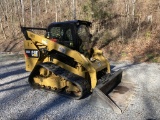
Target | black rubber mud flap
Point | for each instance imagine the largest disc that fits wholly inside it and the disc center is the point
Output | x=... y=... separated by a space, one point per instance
x=113 y=93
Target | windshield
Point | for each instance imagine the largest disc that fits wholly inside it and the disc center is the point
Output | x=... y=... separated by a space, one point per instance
x=84 y=35
x=56 y=32
x=61 y=33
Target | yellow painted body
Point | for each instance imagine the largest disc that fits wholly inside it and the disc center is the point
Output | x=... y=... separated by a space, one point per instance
x=84 y=65
x=53 y=81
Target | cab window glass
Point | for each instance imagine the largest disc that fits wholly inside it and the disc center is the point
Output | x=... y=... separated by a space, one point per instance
x=83 y=33
x=56 y=32
x=68 y=35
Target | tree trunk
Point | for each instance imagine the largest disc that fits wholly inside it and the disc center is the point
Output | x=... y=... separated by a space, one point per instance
x=22 y=5
x=2 y=29
x=31 y=6
x=45 y=6
x=74 y=9
x=55 y=1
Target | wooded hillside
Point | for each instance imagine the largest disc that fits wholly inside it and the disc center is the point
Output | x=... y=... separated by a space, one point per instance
x=123 y=29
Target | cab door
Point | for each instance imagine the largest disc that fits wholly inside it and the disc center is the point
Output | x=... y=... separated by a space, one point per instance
x=64 y=33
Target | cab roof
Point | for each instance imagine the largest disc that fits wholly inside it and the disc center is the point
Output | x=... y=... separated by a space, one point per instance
x=76 y=22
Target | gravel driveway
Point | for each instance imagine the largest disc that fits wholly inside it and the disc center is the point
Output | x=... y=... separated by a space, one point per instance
x=18 y=101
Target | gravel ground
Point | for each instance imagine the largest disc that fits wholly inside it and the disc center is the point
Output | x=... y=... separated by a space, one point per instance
x=20 y=102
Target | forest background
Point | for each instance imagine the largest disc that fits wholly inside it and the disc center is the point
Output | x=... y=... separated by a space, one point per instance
x=123 y=29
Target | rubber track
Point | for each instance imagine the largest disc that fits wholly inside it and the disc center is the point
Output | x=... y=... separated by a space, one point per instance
x=82 y=83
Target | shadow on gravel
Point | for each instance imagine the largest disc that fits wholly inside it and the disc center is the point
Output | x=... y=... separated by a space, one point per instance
x=150 y=111
x=11 y=73
x=17 y=80
x=14 y=95
x=14 y=87
x=13 y=56
x=13 y=64
x=43 y=109
x=124 y=67
x=79 y=108
x=112 y=67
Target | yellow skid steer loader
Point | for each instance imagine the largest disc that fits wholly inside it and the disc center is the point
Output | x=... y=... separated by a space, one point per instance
x=62 y=61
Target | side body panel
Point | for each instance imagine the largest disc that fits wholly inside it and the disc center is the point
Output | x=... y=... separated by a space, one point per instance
x=32 y=55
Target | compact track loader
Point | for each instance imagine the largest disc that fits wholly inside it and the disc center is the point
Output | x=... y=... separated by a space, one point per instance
x=62 y=61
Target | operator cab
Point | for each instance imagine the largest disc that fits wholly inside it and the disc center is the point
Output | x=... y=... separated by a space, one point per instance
x=73 y=34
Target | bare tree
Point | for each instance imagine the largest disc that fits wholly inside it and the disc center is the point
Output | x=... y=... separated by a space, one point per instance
x=5 y=8
x=74 y=9
x=3 y=12
x=38 y=7
x=31 y=7
x=60 y=13
x=2 y=28
x=45 y=6
x=22 y=5
x=56 y=11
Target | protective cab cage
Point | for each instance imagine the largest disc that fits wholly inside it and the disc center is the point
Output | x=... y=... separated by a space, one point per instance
x=68 y=37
